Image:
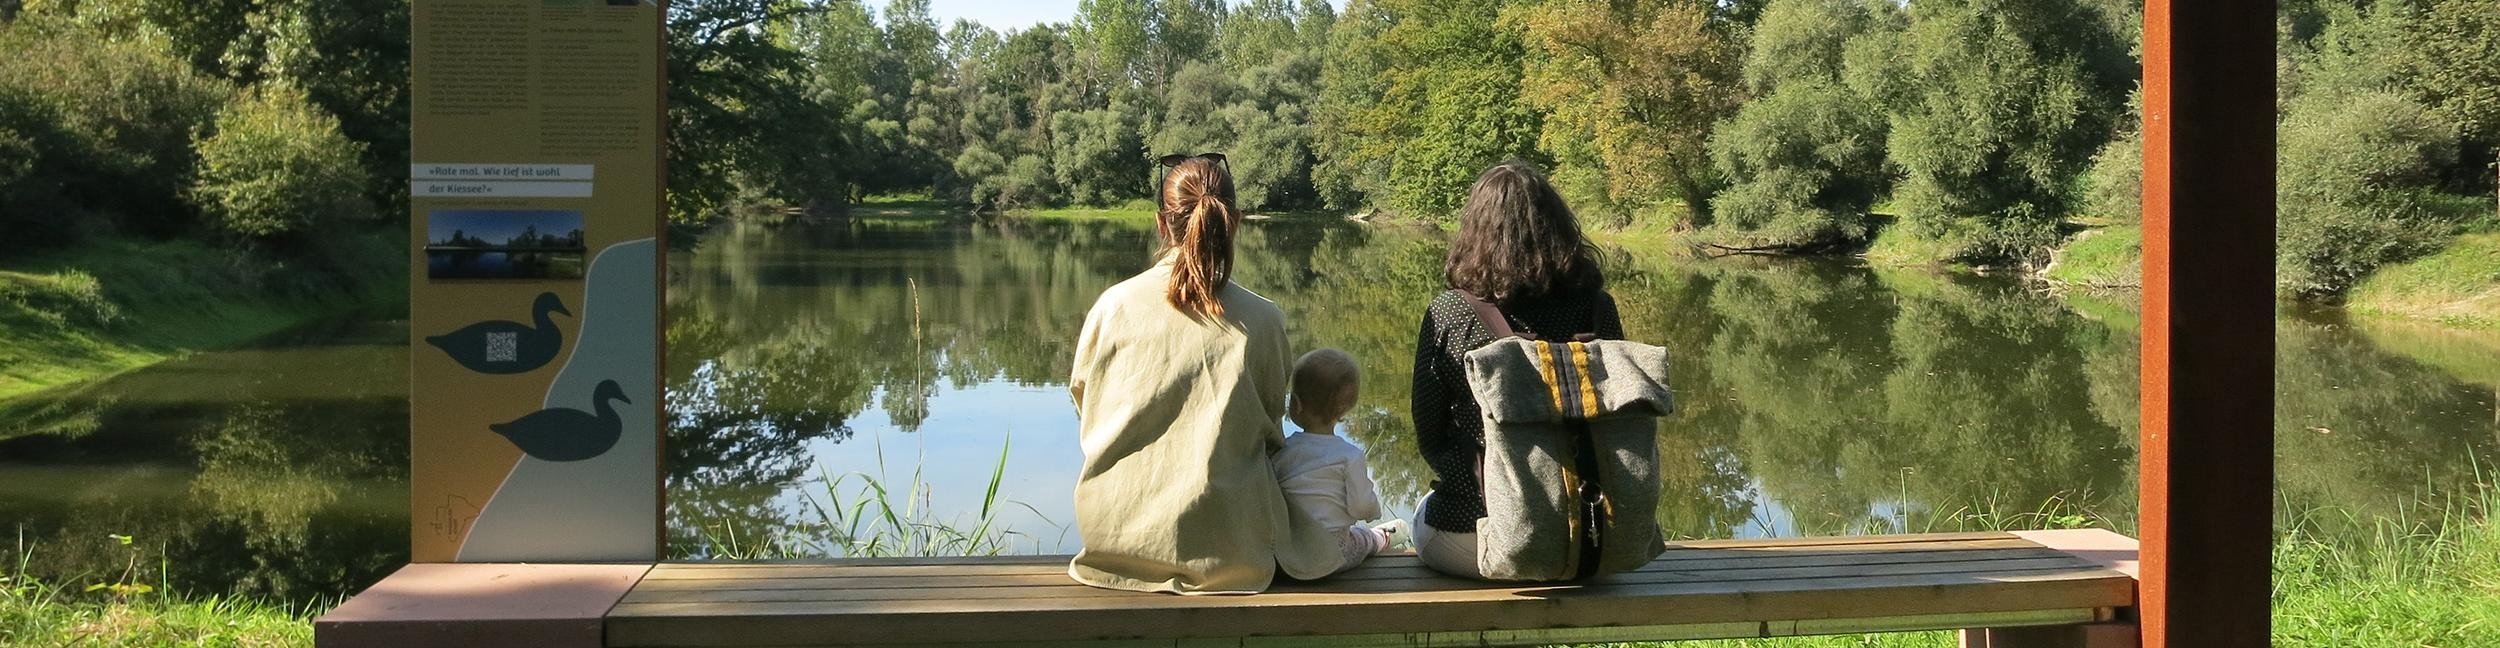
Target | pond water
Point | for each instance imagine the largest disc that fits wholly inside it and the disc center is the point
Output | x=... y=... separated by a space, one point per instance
x=1817 y=397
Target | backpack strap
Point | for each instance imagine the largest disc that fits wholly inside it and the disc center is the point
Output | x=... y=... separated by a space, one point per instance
x=1491 y=316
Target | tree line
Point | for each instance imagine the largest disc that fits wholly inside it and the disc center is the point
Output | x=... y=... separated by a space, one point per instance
x=1960 y=130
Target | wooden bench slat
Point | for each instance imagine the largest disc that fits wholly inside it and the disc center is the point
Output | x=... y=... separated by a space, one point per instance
x=1404 y=576
x=708 y=624
x=1701 y=589
x=1361 y=594
x=989 y=597
x=1059 y=565
x=1553 y=636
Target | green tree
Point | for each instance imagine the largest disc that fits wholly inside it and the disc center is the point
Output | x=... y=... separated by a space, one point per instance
x=1996 y=106
x=738 y=111
x=1351 y=169
x=1097 y=156
x=2361 y=155
x=1806 y=158
x=2353 y=188
x=348 y=57
x=2453 y=62
x=1629 y=91
x=275 y=167
x=115 y=117
x=1008 y=99
x=1448 y=104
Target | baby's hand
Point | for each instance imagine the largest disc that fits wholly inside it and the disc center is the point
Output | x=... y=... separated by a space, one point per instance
x=1394 y=533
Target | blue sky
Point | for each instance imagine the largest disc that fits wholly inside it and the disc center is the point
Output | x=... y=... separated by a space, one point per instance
x=1004 y=14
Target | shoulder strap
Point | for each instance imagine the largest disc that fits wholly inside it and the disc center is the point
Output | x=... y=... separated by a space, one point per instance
x=1492 y=317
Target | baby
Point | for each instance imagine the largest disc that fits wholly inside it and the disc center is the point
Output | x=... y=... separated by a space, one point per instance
x=1322 y=473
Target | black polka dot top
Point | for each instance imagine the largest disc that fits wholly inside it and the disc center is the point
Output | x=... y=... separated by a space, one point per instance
x=1448 y=426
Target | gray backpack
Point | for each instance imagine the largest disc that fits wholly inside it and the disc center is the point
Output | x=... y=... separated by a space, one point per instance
x=1570 y=453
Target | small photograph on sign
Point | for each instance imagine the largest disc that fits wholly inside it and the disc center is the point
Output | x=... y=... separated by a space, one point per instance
x=504 y=244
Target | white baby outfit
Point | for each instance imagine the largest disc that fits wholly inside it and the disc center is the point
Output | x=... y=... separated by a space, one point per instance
x=1324 y=477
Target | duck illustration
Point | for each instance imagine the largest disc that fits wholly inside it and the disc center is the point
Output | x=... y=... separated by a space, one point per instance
x=566 y=434
x=504 y=346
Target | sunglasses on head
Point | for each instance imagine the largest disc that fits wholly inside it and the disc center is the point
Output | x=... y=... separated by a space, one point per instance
x=1176 y=159
x=1173 y=161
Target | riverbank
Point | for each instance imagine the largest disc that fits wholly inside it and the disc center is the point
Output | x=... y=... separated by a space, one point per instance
x=2458 y=286
x=76 y=315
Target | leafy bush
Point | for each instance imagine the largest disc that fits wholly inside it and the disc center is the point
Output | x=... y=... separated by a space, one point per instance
x=100 y=126
x=2114 y=188
x=61 y=300
x=275 y=166
x=2353 y=188
x=1807 y=157
x=1809 y=160
x=1097 y=156
x=33 y=210
x=1996 y=107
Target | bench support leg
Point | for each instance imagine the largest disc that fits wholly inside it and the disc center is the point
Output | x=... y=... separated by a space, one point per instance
x=2110 y=634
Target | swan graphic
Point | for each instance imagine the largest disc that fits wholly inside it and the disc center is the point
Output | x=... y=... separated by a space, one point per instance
x=566 y=434
x=504 y=346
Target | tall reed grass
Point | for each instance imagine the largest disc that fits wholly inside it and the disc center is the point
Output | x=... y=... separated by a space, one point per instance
x=859 y=515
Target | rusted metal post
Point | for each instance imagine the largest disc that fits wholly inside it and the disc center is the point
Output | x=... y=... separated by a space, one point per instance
x=2208 y=364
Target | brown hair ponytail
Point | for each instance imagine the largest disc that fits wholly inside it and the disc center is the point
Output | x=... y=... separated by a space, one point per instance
x=1197 y=221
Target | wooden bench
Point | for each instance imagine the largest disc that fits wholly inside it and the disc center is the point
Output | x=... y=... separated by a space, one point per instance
x=1698 y=590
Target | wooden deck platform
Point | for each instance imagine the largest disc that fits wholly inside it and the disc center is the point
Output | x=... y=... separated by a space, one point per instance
x=1708 y=589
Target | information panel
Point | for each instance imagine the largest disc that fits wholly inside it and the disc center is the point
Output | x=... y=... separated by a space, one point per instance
x=534 y=299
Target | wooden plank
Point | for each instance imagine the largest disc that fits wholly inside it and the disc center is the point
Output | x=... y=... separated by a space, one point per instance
x=1062 y=559
x=1386 y=580
x=1819 y=589
x=1896 y=538
x=695 y=624
x=2206 y=468
x=1407 y=568
x=490 y=605
x=1617 y=634
x=2027 y=561
x=1058 y=565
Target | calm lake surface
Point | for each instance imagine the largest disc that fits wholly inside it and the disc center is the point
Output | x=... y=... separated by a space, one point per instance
x=1816 y=396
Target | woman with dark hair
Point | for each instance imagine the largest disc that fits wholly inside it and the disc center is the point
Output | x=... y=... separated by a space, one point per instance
x=1520 y=248
x=1179 y=381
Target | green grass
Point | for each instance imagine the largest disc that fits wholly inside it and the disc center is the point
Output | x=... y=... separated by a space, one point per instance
x=74 y=315
x=905 y=207
x=1135 y=211
x=2105 y=257
x=116 y=611
x=1897 y=246
x=2423 y=577
x=2459 y=285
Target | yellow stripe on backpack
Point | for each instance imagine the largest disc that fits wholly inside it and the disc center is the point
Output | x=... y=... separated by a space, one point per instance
x=1587 y=383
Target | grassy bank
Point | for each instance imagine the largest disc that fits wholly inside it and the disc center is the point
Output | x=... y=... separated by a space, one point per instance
x=2459 y=285
x=123 y=610
x=41 y=615
x=2105 y=257
x=78 y=314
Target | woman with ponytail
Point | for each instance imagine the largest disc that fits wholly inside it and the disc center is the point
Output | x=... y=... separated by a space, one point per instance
x=1179 y=381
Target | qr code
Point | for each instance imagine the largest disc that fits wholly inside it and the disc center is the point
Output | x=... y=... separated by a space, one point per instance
x=503 y=347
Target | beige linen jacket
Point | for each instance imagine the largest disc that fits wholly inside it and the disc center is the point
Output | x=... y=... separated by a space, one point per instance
x=1177 y=416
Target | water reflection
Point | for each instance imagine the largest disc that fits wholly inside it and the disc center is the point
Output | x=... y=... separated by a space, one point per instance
x=276 y=471
x=1816 y=396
